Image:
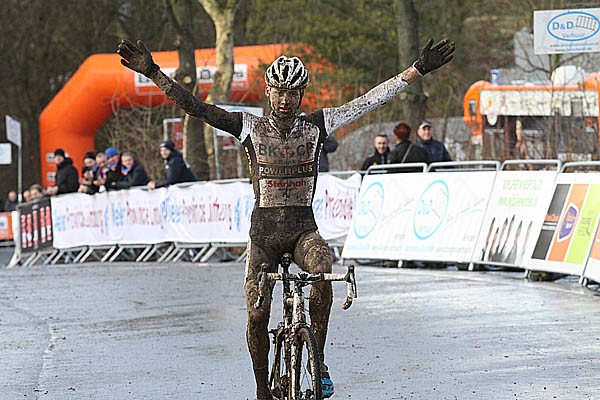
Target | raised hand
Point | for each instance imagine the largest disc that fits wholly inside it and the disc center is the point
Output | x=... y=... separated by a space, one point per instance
x=137 y=58
x=431 y=58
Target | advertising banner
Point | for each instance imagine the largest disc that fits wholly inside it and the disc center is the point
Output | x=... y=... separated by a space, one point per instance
x=568 y=228
x=566 y=31
x=592 y=268
x=36 y=225
x=516 y=209
x=6 y=232
x=432 y=217
x=193 y=213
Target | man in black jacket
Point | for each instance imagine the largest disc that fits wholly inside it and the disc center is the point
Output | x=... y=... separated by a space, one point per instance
x=133 y=173
x=66 y=178
x=380 y=155
x=176 y=169
x=436 y=149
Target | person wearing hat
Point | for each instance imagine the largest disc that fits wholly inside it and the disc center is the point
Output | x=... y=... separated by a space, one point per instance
x=113 y=168
x=86 y=181
x=66 y=179
x=283 y=155
x=436 y=149
x=176 y=169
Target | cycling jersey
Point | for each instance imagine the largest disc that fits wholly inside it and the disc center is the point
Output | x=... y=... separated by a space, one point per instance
x=284 y=165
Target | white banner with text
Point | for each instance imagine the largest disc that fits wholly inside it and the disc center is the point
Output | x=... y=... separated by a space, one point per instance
x=433 y=217
x=515 y=212
x=193 y=213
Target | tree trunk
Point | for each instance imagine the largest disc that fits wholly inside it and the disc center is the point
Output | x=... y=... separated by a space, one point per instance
x=194 y=150
x=223 y=16
x=415 y=101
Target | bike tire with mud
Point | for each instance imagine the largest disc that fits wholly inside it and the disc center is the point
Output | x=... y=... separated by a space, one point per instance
x=308 y=367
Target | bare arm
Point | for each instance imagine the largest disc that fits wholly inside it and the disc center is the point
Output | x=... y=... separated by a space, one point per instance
x=430 y=58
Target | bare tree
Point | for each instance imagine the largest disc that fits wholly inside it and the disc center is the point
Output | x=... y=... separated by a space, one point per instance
x=180 y=13
x=414 y=106
x=222 y=14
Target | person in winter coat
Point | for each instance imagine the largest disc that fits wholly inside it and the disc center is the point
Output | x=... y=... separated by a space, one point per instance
x=380 y=155
x=436 y=149
x=405 y=151
x=66 y=178
x=176 y=169
x=113 y=168
x=133 y=173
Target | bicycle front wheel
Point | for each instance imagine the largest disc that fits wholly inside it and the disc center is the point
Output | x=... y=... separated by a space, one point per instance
x=306 y=367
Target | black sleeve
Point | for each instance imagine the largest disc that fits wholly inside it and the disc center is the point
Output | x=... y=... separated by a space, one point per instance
x=230 y=122
x=176 y=168
x=140 y=177
x=395 y=157
x=71 y=182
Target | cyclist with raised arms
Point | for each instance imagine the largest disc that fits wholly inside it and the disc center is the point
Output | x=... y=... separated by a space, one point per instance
x=282 y=150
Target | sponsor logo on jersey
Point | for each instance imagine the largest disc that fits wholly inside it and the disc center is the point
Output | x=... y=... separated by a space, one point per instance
x=283 y=170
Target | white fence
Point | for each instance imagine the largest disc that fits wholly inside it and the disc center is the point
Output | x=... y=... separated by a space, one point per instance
x=543 y=218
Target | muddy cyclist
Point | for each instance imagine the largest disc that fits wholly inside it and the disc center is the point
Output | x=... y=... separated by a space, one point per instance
x=283 y=153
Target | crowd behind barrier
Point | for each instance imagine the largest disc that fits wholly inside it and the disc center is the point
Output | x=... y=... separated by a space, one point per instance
x=193 y=219
x=542 y=218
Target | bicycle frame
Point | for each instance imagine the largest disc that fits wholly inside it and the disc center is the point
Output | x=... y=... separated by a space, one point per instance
x=294 y=323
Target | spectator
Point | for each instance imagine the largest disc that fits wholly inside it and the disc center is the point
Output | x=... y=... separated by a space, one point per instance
x=405 y=151
x=26 y=195
x=113 y=168
x=133 y=173
x=37 y=192
x=100 y=172
x=67 y=178
x=11 y=202
x=436 y=149
x=330 y=145
x=380 y=155
x=176 y=169
x=86 y=182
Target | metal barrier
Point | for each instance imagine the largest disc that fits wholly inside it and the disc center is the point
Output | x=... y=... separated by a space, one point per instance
x=557 y=163
x=581 y=165
x=392 y=168
x=453 y=166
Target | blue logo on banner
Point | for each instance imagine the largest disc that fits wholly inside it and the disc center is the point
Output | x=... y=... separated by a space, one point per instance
x=568 y=223
x=431 y=209
x=573 y=26
x=369 y=209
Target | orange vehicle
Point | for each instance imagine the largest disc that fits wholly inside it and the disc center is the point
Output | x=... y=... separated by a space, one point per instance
x=102 y=84
x=536 y=121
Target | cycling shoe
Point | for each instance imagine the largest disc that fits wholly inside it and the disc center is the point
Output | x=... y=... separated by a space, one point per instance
x=326 y=383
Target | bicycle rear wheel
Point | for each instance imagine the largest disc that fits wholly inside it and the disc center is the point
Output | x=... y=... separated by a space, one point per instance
x=307 y=368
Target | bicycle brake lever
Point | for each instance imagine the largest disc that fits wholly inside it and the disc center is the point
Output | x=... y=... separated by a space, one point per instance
x=351 y=287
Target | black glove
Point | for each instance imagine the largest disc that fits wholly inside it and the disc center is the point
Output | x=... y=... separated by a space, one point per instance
x=137 y=58
x=431 y=58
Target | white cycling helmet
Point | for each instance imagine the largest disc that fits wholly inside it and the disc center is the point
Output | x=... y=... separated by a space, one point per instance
x=287 y=73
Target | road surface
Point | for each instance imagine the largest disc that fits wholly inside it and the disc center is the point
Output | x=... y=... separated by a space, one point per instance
x=177 y=331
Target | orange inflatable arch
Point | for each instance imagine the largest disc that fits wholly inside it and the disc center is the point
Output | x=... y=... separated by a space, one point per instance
x=102 y=84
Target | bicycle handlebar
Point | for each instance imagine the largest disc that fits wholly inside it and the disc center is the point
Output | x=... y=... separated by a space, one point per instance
x=304 y=277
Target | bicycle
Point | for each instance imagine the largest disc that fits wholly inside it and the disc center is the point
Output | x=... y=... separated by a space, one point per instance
x=296 y=368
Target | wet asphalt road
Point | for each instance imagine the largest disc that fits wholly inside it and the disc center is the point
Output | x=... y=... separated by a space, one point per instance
x=151 y=331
